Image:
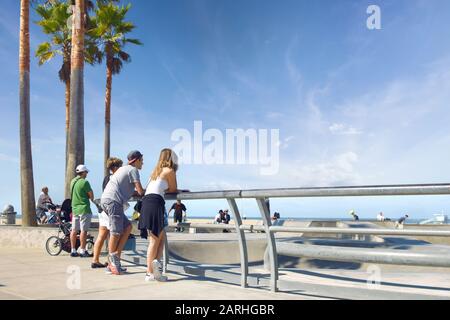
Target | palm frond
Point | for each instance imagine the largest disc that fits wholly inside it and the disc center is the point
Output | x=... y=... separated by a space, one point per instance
x=116 y=65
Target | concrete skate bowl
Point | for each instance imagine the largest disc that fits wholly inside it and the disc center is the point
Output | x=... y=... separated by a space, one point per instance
x=340 y=224
x=334 y=240
x=227 y=251
x=217 y=252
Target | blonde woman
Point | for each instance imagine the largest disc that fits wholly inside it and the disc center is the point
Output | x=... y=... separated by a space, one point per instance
x=163 y=180
x=113 y=164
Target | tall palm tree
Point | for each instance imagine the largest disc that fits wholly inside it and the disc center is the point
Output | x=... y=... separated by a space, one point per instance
x=111 y=29
x=26 y=159
x=76 y=114
x=55 y=18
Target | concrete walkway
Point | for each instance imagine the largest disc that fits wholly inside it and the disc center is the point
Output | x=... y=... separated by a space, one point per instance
x=33 y=274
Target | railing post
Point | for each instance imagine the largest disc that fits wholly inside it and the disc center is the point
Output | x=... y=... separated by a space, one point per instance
x=242 y=242
x=271 y=245
x=165 y=254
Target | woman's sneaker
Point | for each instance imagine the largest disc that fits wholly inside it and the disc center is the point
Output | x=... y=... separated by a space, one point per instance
x=151 y=277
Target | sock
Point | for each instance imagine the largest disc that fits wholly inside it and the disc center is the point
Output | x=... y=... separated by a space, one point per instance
x=82 y=251
x=74 y=250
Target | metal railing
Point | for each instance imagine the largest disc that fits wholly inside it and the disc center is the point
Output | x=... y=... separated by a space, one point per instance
x=260 y=195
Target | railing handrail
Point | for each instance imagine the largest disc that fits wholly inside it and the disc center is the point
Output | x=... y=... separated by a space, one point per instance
x=260 y=195
x=338 y=191
x=321 y=230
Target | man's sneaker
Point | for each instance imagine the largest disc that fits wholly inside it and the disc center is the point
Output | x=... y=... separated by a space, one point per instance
x=114 y=267
x=111 y=269
x=123 y=269
x=74 y=254
x=86 y=255
x=151 y=277
x=157 y=268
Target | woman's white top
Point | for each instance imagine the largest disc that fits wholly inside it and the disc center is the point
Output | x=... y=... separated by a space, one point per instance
x=157 y=186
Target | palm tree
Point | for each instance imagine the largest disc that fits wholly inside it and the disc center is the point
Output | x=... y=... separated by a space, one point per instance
x=26 y=159
x=111 y=29
x=76 y=114
x=55 y=18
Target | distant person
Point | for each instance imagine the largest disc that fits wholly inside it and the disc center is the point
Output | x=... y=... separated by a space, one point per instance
x=43 y=205
x=113 y=164
x=123 y=184
x=354 y=215
x=400 y=223
x=226 y=218
x=218 y=217
x=162 y=180
x=381 y=217
x=276 y=216
x=179 y=210
x=81 y=210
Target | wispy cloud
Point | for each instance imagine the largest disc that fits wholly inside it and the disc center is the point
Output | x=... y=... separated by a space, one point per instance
x=339 y=170
x=340 y=128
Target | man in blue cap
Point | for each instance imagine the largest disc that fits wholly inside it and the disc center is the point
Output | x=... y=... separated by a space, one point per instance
x=121 y=187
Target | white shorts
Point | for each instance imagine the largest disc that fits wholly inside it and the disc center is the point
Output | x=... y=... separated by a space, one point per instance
x=103 y=220
x=81 y=222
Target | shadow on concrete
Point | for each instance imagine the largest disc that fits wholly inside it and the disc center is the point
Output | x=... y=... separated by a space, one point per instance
x=296 y=292
x=336 y=243
x=392 y=241
x=394 y=284
x=231 y=265
x=328 y=264
x=302 y=293
x=295 y=262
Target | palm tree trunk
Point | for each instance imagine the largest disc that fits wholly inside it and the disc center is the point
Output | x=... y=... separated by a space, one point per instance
x=107 y=149
x=76 y=117
x=26 y=159
x=67 y=119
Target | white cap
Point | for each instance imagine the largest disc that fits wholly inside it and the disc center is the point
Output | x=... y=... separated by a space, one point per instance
x=81 y=168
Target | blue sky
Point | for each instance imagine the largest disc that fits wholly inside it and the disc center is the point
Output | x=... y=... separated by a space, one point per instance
x=354 y=106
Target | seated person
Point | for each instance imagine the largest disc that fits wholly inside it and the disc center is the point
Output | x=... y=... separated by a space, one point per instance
x=218 y=217
x=225 y=217
x=43 y=205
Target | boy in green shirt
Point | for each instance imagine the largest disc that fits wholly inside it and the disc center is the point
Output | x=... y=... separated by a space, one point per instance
x=81 y=210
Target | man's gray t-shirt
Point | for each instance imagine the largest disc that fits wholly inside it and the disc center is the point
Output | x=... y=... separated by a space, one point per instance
x=120 y=187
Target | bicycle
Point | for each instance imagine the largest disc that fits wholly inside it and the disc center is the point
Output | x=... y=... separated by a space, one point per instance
x=55 y=244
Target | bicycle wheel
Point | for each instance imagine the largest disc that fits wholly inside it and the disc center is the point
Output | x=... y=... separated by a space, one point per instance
x=90 y=246
x=53 y=246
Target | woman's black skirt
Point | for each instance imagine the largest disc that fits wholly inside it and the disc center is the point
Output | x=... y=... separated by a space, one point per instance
x=152 y=214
